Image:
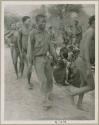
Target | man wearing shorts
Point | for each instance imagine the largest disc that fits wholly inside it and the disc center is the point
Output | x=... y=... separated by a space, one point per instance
x=39 y=45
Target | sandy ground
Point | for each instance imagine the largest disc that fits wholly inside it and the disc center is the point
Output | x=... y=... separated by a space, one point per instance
x=24 y=104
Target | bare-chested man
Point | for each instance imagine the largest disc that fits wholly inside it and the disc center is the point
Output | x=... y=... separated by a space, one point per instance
x=13 y=36
x=82 y=64
x=23 y=40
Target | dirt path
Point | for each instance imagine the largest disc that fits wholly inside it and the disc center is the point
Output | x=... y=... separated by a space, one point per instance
x=24 y=104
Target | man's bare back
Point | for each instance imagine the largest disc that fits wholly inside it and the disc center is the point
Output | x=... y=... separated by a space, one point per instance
x=86 y=44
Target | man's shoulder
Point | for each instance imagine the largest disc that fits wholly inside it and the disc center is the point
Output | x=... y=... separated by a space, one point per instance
x=36 y=31
x=89 y=32
x=79 y=26
x=33 y=31
x=19 y=31
x=15 y=33
x=47 y=33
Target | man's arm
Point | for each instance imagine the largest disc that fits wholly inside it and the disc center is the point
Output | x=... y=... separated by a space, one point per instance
x=52 y=50
x=6 y=33
x=19 y=38
x=80 y=29
x=31 y=42
x=80 y=32
x=9 y=34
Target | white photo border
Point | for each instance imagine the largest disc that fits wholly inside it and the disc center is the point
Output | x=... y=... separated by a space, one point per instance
x=3 y=3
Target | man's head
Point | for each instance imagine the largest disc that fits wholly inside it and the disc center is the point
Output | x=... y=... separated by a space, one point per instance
x=71 y=27
x=13 y=26
x=41 y=21
x=65 y=43
x=18 y=25
x=50 y=29
x=76 y=22
x=70 y=48
x=92 y=21
x=26 y=20
x=34 y=26
x=64 y=53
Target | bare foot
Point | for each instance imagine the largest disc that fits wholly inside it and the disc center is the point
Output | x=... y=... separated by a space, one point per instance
x=17 y=77
x=70 y=96
x=50 y=96
x=47 y=104
x=83 y=108
x=20 y=76
x=71 y=99
x=30 y=85
x=46 y=108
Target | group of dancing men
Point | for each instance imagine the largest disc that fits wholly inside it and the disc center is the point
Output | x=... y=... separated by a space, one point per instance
x=34 y=45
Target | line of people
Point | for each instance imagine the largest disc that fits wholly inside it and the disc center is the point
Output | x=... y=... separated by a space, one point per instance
x=35 y=46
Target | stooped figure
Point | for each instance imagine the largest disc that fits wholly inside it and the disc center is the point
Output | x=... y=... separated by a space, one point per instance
x=38 y=45
x=82 y=65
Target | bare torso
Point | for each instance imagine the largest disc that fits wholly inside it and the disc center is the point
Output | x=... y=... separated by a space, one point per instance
x=87 y=43
x=25 y=33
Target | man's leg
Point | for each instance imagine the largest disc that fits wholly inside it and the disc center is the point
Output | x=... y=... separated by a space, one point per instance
x=22 y=63
x=40 y=66
x=49 y=75
x=22 y=68
x=89 y=87
x=29 y=72
x=80 y=98
x=19 y=63
x=89 y=80
x=26 y=60
x=15 y=59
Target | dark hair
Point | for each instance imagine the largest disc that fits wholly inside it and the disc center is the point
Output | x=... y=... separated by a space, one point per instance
x=76 y=21
x=64 y=52
x=70 y=47
x=50 y=27
x=91 y=19
x=25 y=18
x=71 y=25
x=39 y=16
x=12 y=24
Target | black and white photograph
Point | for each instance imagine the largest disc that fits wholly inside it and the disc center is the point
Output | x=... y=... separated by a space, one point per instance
x=49 y=62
